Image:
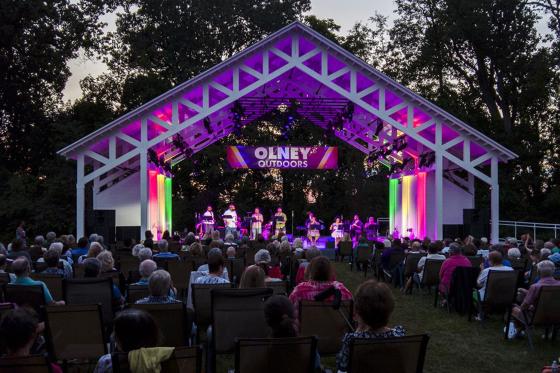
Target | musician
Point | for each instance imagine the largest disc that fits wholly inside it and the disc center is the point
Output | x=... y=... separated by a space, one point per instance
x=230 y=220
x=337 y=230
x=308 y=220
x=208 y=221
x=280 y=219
x=356 y=228
x=256 y=223
x=313 y=230
x=371 y=228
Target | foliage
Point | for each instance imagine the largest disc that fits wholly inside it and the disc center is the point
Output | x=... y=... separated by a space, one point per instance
x=481 y=60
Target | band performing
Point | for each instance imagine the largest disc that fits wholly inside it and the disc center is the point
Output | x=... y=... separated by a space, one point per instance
x=253 y=224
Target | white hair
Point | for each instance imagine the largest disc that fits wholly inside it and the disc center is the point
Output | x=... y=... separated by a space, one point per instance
x=136 y=249
x=145 y=253
x=51 y=236
x=229 y=237
x=298 y=243
x=546 y=268
x=57 y=246
x=159 y=283
x=147 y=267
x=39 y=240
x=99 y=239
x=545 y=251
x=514 y=253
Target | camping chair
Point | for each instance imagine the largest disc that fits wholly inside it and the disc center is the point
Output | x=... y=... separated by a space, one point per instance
x=174 y=246
x=276 y=355
x=53 y=282
x=430 y=274
x=91 y=291
x=393 y=274
x=75 y=332
x=411 y=264
x=27 y=364
x=78 y=270
x=345 y=250
x=363 y=256
x=391 y=355
x=278 y=287
x=128 y=263
x=183 y=360
x=250 y=255
x=180 y=272
x=236 y=313
x=500 y=292
x=26 y=296
x=476 y=261
x=235 y=269
x=459 y=294
x=202 y=304
x=328 y=321
x=546 y=313
x=172 y=320
x=136 y=292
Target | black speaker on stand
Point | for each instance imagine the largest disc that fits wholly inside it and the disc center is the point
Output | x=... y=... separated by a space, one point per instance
x=476 y=222
x=102 y=222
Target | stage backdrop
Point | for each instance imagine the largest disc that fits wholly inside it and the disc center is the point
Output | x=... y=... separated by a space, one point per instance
x=307 y=157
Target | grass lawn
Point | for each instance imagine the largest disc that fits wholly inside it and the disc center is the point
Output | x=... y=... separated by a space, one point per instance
x=457 y=345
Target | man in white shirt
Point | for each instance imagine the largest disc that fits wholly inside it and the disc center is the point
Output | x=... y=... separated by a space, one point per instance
x=230 y=220
x=495 y=259
x=208 y=221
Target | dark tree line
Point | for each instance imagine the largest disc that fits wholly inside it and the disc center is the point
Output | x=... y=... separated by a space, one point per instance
x=481 y=60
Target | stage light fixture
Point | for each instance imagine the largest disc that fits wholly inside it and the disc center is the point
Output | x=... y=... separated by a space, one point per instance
x=179 y=143
x=152 y=157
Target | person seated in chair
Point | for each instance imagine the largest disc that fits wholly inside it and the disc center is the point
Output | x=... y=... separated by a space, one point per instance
x=94 y=250
x=320 y=278
x=52 y=260
x=433 y=255
x=19 y=330
x=495 y=259
x=22 y=270
x=163 y=247
x=159 y=286
x=373 y=306
x=252 y=277
x=3 y=264
x=213 y=253
x=215 y=274
x=146 y=268
x=92 y=269
x=456 y=259
x=528 y=298
x=133 y=329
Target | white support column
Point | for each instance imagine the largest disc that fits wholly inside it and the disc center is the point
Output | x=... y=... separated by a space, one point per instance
x=494 y=202
x=80 y=197
x=439 y=183
x=143 y=178
x=143 y=191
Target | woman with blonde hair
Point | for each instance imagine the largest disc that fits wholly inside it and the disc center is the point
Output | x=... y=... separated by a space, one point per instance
x=94 y=250
x=107 y=261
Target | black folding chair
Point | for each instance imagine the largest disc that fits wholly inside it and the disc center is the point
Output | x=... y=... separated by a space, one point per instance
x=276 y=355
x=389 y=355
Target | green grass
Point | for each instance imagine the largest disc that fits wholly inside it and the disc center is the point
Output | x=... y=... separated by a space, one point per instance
x=457 y=345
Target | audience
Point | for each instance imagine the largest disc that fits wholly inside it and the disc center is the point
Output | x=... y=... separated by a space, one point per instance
x=215 y=252
x=311 y=253
x=107 y=262
x=52 y=260
x=160 y=287
x=94 y=250
x=320 y=278
x=263 y=260
x=92 y=269
x=19 y=329
x=146 y=268
x=22 y=269
x=3 y=265
x=456 y=259
x=215 y=274
x=163 y=247
x=252 y=277
x=419 y=274
x=373 y=306
x=133 y=329
x=528 y=298
x=81 y=249
x=145 y=253
x=495 y=260
x=17 y=250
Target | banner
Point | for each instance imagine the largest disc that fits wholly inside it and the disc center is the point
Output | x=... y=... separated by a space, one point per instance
x=308 y=157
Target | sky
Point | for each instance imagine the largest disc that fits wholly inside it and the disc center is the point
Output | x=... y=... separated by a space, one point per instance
x=344 y=12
